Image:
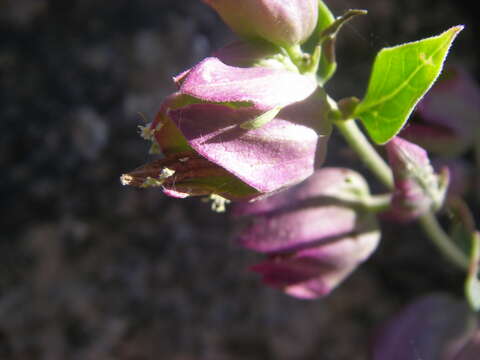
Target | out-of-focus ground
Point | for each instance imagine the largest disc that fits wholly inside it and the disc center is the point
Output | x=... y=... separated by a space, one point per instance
x=92 y=270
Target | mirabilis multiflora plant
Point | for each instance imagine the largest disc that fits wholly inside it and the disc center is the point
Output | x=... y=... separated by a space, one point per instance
x=251 y=123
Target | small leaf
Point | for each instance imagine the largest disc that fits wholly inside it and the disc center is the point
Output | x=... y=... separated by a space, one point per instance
x=325 y=17
x=400 y=77
x=328 y=36
x=472 y=284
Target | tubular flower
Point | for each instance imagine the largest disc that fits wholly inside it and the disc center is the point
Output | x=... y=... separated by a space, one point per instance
x=314 y=234
x=208 y=150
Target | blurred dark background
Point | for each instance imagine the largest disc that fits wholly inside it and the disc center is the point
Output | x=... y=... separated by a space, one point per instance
x=92 y=270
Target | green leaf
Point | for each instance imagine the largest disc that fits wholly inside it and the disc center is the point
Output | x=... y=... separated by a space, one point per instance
x=328 y=36
x=325 y=17
x=472 y=284
x=400 y=77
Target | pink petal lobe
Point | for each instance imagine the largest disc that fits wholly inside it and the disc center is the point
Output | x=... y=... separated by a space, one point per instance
x=274 y=156
x=265 y=88
x=315 y=271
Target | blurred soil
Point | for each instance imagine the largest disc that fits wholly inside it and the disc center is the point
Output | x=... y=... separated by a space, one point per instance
x=91 y=270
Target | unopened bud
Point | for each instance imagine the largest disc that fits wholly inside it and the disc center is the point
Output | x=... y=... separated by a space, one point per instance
x=284 y=23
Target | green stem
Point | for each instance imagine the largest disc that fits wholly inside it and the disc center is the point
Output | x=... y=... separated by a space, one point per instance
x=429 y=223
x=442 y=241
x=378 y=203
x=355 y=138
x=296 y=55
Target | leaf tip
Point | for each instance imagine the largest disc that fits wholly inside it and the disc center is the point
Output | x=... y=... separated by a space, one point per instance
x=455 y=30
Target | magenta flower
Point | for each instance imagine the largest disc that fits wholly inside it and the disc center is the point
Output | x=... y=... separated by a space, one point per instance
x=207 y=150
x=314 y=234
x=417 y=188
x=447 y=117
x=284 y=23
x=436 y=327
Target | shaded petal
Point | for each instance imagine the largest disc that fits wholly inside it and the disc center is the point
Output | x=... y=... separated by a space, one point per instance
x=315 y=233
x=339 y=184
x=434 y=328
x=315 y=271
x=166 y=133
x=265 y=88
x=319 y=210
x=277 y=155
x=188 y=174
x=297 y=228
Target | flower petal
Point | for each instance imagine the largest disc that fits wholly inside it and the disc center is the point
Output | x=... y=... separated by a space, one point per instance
x=340 y=184
x=265 y=88
x=434 y=328
x=188 y=174
x=315 y=233
x=277 y=155
x=317 y=211
x=284 y=23
x=315 y=271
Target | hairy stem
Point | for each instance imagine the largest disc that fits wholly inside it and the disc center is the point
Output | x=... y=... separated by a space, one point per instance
x=355 y=138
x=442 y=241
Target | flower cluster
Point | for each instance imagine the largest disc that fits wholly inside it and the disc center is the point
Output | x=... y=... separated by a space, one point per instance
x=251 y=122
x=244 y=122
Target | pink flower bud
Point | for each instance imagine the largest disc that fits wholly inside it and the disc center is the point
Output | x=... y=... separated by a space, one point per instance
x=284 y=23
x=417 y=188
x=314 y=234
